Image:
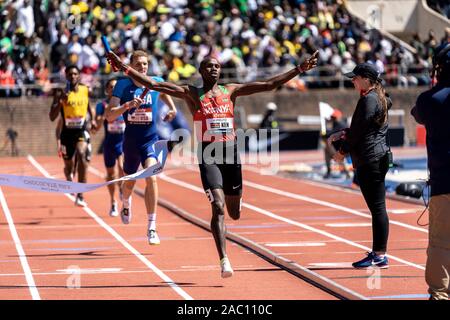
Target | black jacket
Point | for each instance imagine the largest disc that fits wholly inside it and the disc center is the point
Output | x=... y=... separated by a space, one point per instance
x=366 y=139
x=432 y=109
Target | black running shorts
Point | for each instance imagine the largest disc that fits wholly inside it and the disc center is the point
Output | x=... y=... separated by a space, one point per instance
x=220 y=168
x=69 y=140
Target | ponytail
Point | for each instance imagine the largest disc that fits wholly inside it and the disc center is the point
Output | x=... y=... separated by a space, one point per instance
x=381 y=92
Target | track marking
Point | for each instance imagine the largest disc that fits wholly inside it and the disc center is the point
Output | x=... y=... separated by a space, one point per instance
x=23 y=259
x=292 y=222
x=296 y=244
x=321 y=202
x=348 y=225
x=326 y=204
x=119 y=238
x=403 y=211
x=331 y=264
x=403 y=296
x=90 y=270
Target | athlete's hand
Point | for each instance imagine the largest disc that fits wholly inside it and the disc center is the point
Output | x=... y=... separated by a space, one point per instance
x=170 y=115
x=62 y=96
x=339 y=157
x=59 y=148
x=310 y=63
x=114 y=61
x=336 y=136
x=135 y=103
x=94 y=127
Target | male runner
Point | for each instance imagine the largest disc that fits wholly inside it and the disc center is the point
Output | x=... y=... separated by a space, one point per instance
x=112 y=145
x=140 y=136
x=212 y=108
x=74 y=107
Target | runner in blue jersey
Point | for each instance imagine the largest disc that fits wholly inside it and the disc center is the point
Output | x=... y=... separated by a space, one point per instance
x=140 y=136
x=112 y=145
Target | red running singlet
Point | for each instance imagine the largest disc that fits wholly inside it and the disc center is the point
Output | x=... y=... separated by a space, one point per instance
x=216 y=117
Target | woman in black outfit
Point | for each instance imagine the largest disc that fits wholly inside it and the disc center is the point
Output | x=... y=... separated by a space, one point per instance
x=365 y=140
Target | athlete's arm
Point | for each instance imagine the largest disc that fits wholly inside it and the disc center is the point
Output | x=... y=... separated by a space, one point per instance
x=273 y=83
x=91 y=111
x=58 y=130
x=99 y=114
x=171 y=89
x=172 y=109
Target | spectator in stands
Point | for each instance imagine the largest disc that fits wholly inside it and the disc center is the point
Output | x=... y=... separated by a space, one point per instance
x=267 y=35
x=25 y=18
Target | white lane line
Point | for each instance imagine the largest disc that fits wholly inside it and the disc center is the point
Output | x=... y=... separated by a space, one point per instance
x=322 y=203
x=90 y=270
x=348 y=225
x=331 y=264
x=119 y=238
x=23 y=259
x=403 y=211
x=296 y=244
x=292 y=222
x=326 y=204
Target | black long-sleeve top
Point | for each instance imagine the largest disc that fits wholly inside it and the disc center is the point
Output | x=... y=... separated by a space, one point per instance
x=366 y=139
x=432 y=109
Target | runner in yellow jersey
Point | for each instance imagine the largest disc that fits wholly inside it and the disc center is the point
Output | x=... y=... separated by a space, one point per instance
x=74 y=107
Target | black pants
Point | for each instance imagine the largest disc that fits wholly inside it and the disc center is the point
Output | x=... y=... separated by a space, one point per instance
x=371 y=178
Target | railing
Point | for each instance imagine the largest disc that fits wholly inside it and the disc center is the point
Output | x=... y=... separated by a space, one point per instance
x=320 y=77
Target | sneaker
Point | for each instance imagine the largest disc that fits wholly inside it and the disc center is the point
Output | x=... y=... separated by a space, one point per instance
x=372 y=260
x=114 y=212
x=153 y=238
x=79 y=200
x=227 y=270
x=125 y=215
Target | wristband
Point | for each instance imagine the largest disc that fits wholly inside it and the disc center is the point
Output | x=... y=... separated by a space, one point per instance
x=299 y=68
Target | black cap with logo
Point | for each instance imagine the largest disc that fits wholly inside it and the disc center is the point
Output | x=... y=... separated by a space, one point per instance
x=365 y=70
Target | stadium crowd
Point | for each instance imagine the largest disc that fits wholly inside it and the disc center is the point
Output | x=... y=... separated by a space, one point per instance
x=38 y=38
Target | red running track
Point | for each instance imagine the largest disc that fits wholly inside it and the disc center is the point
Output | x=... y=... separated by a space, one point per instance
x=319 y=227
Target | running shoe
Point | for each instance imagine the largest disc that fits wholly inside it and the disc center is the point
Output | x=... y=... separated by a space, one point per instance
x=153 y=238
x=79 y=200
x=225 y=266
x=125 y=215
x=114 y=212
x=372 y=260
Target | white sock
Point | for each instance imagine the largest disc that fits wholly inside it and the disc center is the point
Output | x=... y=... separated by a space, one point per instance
x=151 y=221
x=126 y=202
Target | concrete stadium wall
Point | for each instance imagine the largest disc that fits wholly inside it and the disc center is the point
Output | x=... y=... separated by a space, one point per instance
x=400 y=17
x=388 y=15
x=29 y=116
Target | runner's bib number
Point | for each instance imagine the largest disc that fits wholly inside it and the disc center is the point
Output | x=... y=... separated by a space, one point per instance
x=140 y=116
x=219 y=125
x=117 y=126
x=75 y=123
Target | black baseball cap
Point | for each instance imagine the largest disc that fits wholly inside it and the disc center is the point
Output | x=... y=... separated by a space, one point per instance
x=365 y=70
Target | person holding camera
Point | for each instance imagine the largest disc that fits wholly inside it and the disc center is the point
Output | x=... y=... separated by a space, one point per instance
x=365 y=141
x=432 y=109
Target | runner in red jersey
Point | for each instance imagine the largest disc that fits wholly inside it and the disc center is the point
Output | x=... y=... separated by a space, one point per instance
x=212 y=108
